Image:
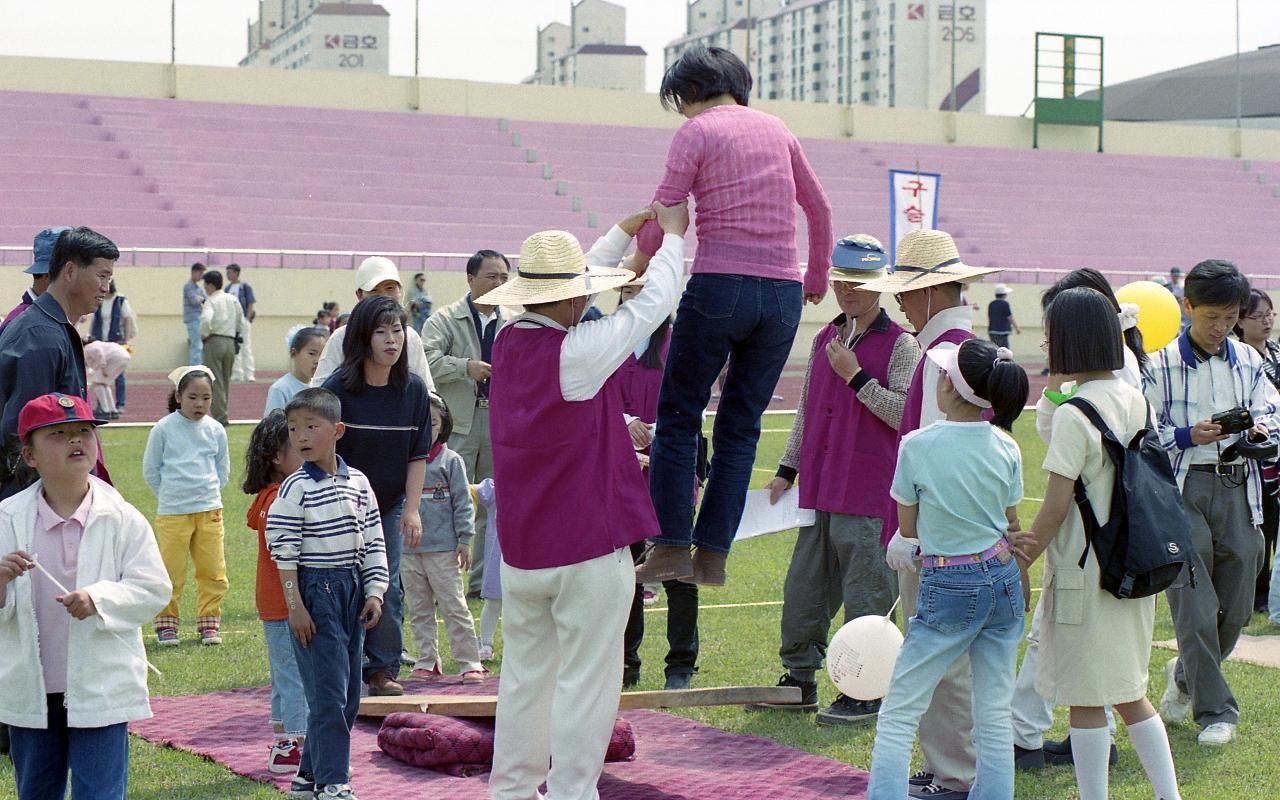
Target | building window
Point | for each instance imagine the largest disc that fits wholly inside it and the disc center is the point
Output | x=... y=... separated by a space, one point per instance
x=866 y=97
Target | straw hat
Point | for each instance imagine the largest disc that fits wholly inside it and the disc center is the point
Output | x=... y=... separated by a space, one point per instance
x=553 y=268
x=927 y=258
x=858 y=258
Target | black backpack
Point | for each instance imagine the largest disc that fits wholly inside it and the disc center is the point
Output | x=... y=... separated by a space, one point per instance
x=1146 y=542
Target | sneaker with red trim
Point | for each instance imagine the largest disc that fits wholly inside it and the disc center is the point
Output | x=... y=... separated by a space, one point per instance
x=285 y=757
x=433 y=674
x=210 y=636
x=474 y=675
x=167 y=637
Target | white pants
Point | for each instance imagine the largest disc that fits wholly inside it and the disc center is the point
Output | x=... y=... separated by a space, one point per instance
x=1032 y=714
x=561 y=676
x=242 y=369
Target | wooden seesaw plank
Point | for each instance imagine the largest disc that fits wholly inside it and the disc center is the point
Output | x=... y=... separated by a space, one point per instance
x=452 y=705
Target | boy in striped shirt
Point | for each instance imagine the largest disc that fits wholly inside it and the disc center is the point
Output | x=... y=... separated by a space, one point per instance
x=325 y=535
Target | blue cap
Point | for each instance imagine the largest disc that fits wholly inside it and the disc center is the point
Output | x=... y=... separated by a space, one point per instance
x=850 y=253
x=43 y=247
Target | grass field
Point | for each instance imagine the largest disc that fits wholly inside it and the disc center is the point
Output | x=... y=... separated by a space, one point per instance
x=739 y=646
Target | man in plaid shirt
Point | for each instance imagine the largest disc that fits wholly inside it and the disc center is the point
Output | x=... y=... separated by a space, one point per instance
x=1202 y=373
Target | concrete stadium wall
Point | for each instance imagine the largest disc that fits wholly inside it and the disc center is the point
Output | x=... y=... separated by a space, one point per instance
x=155 y=291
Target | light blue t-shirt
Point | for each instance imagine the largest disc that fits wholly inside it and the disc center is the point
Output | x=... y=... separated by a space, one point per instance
x=282 y=391
x=186 y=464
x=963 y=475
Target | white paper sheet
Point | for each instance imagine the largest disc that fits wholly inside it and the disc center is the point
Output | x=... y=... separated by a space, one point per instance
x=760 y=518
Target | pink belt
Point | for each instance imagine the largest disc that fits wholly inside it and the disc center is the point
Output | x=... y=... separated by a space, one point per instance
x=994 y=550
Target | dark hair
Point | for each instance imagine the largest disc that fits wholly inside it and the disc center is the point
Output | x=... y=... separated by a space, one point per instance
x=1256 y=298
x=80 y=246
x=265 y=443
x=417 y=275
x=477 y=260
x=321 y=402
x=1089 y=278
x=701 y=73
x=329 y=305
x=1083 y=332
x=197 y=266
x=182 y=384
x=651 y=358
x=1215 y=283
x=342 y=319
x=446 y=418
x=213 y=278
x=233 y=267
x=304 y=335
x=369 y=313
x=1002 y=383
x=112 y=290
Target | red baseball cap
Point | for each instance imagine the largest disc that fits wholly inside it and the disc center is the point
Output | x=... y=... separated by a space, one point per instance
x=54 y=409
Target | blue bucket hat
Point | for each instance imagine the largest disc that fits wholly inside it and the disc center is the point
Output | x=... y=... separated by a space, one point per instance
x=43 y=248
x=858 y=259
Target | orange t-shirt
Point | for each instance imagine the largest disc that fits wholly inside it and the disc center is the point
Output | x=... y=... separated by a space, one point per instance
x=268 y=593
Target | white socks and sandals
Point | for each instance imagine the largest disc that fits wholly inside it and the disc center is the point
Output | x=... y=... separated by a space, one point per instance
x=1091 y=748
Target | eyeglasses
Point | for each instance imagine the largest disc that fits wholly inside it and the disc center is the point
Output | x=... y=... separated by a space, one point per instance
x=1270 y=316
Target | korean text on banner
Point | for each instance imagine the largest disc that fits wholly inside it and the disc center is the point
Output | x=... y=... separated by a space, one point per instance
x=913 y=203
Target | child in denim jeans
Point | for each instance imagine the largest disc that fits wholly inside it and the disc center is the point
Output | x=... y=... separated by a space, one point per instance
x=959 y=509
x=268 y=461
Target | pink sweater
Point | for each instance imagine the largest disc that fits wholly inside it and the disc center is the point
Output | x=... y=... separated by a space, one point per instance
x=746 y=173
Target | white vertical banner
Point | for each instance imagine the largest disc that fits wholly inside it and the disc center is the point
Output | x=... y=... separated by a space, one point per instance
x=913 y=204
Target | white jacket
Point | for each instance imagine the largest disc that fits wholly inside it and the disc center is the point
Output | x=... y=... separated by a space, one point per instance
x=120 y=567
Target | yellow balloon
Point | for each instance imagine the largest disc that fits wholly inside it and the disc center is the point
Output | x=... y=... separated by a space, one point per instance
x=1159 y=318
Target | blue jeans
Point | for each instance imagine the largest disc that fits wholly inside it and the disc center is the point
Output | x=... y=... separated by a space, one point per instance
x=329 y=666
x=383 y=644
x=750 y=322
x=195 y=347
x=97 y=757
x=288 y=698
x=975 y=608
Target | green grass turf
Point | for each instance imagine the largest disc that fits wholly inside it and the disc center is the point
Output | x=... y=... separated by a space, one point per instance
x=738 y=647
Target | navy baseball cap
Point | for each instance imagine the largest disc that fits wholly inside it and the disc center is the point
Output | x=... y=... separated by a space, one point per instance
x=43 y=248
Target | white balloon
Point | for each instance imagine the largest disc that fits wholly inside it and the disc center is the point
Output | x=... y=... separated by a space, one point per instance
x=861 y=656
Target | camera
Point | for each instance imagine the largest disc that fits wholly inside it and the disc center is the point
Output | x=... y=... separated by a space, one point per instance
x=1233 y=420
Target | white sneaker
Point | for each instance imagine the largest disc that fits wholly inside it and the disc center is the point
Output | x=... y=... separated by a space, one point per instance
x=1218 y=734
x=1175 y=704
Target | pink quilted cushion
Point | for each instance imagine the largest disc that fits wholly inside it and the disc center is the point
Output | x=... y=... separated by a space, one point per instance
x=464 y=745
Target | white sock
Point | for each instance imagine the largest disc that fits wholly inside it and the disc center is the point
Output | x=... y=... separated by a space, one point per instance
x=1091 y=749
x=1151 y=742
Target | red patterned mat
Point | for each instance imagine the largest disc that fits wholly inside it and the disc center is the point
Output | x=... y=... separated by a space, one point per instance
x=676 y=758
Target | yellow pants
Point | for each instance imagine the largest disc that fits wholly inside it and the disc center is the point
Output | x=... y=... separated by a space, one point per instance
x=200 y=535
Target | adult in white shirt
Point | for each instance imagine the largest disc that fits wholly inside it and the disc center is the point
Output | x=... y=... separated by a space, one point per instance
x=376 y=276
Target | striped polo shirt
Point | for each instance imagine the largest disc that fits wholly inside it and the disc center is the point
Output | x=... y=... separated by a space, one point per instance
x=329 y=521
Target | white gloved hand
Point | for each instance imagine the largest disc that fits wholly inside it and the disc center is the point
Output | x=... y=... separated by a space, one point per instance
x=901 y=553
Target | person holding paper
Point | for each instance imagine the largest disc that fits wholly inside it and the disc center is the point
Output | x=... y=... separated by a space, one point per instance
x=843 y=443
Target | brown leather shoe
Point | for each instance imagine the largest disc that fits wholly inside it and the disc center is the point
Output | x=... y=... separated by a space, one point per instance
x=708 y=567
x=665 y=562
x=381 y=684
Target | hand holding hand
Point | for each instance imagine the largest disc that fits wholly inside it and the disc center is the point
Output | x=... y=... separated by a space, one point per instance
x=641 y=435
x=631 y=224
x=843 y=360
x=372 y=612
x=776 y=487
x=79 y=604
x=13 y=565
x=464 y=557
x=901 y=553
x=478 y=370
x=1206 y=432
x=673 y=219
x=813 y=298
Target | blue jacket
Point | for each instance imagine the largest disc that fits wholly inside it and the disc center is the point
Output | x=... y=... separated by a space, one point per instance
x=40 y=352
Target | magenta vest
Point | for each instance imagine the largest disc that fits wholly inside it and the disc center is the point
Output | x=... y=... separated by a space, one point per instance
x=565 y=474
x=911 y=415
x=640 y=386
x=847 y=454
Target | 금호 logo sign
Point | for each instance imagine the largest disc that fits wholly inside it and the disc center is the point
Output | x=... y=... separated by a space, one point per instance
x=338 y=41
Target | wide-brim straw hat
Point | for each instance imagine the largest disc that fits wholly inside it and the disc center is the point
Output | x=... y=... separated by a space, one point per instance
x=927 y=258
x=859 y=258
x=553 y=268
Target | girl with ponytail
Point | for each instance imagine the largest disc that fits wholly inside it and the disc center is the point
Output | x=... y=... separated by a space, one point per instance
x=957 y=484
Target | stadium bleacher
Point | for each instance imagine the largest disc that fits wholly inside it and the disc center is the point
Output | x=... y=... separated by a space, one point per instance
x=172 y=173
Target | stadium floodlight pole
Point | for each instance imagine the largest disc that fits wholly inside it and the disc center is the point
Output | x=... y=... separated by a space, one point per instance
x=1239 y=88
x=952 y=103
x=173 y=30
x=416 y=29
